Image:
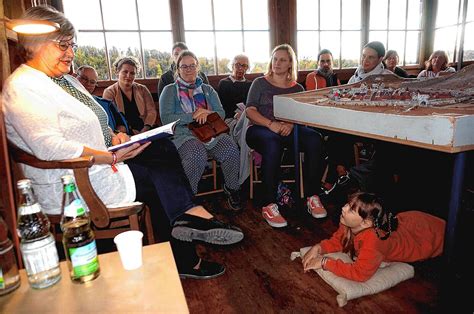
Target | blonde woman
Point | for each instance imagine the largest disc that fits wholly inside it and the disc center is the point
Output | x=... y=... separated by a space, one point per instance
x=436 y=65
x=269 y=136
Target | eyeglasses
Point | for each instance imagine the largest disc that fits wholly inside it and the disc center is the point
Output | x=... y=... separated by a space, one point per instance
x=86 y=80
x=240 y=65
x=64 y=44
x=190 y=67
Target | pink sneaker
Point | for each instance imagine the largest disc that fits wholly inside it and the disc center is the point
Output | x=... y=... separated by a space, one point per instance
x=273 y=217
x=315 y=207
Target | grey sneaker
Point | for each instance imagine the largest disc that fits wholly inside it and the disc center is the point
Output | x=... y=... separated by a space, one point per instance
x=233 y=199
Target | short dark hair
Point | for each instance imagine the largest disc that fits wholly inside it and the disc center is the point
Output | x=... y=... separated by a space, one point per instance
x=377 y=46
x=179 y=44
x=323 y=52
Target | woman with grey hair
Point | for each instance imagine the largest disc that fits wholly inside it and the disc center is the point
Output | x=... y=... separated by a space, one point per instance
x=134 y=100
x=50 y=115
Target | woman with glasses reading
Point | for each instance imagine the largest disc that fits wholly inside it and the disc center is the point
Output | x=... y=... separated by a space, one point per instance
x=188 y=100
x=134 y=100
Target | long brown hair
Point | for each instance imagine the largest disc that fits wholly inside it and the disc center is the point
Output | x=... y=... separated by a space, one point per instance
x=369 y=206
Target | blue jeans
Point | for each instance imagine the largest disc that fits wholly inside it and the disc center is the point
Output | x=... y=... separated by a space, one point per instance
x=270 y=145
x=159 y=175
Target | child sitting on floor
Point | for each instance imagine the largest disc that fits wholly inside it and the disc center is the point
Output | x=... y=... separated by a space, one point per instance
x=371 y=234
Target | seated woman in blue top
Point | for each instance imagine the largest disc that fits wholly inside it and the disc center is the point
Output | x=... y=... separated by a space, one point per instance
x=269 y=136
x=188 y=99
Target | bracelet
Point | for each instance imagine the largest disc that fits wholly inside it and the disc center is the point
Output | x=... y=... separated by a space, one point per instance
x=323 y=262
x=114 y=161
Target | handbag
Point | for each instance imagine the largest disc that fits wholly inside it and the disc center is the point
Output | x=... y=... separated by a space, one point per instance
x=214 y=126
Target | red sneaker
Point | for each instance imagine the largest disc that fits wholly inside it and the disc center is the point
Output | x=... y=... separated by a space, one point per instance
x=315 y=207
x=272 y=215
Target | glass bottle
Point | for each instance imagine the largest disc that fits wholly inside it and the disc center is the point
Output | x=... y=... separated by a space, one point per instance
x=9 y=277
x=78 y=238
x=38 y=247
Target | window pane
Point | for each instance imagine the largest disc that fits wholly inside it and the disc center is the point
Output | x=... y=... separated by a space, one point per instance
x=119 y=16
x=350 y=50
x=123 y=44
x=148 y=11
x=351 y=12
x=76 y=10
x=255 y=14
x=92 y=52
x=414 y=14
x=413 y=48
x=378 y=36
x=470 y=12
x=447 y=13
x=156 y=47
x=396 y=41
x=378 y=14
x=397 y=14
x=197 y=15
x=227 y=14
x=331 y=40
x=445 y=39
x=229 y=44
x=257 y=48
x=469 y=42
x=308 y=49
x=202 y=44
x=330 y=20
x=307 y=14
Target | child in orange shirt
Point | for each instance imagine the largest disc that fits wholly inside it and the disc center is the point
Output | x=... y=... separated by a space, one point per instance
x=370 y=234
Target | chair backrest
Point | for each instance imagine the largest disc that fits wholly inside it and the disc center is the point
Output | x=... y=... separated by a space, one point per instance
x=80 y=166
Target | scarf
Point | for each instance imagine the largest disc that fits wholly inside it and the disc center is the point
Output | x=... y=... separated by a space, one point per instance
x=359 y=74
x=329 y=76
x=198 y=100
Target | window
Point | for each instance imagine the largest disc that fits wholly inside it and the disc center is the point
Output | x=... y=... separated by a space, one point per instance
x=397 y=24
x=449 y=27
x=328 y=24
x=217 y=30
x=108 y=29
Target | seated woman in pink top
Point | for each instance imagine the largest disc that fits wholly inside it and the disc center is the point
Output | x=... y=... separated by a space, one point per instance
x=371 y=234
x=436 y=65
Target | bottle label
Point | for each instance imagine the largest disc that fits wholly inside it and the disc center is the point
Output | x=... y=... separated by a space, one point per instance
x=30 y=209
x=2 y=281
x=84 y=259
x=74 y=209
x=40 y=255
x=71 y=187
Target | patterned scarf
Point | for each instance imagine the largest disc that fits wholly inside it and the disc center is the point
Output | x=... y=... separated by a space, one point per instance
x=190 y=104
x=97 y=109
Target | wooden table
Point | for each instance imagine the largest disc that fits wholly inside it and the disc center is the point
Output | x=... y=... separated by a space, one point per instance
x=155 y=288
x=447 y=129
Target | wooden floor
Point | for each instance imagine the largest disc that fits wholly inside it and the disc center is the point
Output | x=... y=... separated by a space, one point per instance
x=260 y=277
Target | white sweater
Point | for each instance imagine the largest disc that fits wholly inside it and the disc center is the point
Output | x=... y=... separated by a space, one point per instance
x=44 y=120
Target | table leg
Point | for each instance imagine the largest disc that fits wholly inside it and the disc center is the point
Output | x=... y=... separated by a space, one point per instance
x=454 y=204
x=297 y=165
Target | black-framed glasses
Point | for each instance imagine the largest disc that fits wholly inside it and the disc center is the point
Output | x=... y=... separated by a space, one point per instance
x=64 y=44
x=86 y=80
x=190 y=67
x=241 y=65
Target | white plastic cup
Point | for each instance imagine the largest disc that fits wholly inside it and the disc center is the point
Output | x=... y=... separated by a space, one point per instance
x=129 y=245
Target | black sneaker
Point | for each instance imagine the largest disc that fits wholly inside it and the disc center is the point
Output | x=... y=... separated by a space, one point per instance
x=207 y=270
x=233 y=199
x=189 y=228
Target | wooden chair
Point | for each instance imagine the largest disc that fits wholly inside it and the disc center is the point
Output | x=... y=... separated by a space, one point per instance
x=255 y=169
x=211 y=174
x=106 y=222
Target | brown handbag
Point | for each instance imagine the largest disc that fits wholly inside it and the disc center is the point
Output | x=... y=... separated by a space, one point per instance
x=214 y=126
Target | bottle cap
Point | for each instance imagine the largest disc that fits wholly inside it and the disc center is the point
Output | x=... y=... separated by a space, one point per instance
x=25 y=183
x=67 y=179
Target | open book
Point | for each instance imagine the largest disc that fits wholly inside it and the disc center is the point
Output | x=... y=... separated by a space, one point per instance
x=148 y=136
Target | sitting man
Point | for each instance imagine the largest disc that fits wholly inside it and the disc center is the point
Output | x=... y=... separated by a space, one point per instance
x=233 y=90
x=370 y=62
x=324 y=75
x=168 y=78
x=87 y=75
